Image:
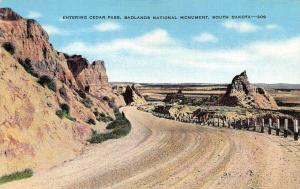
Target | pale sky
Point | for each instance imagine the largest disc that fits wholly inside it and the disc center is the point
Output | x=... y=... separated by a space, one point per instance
x=197 y=51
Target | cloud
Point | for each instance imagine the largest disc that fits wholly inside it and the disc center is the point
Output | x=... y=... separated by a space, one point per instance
x=247 y=27
x=272 y=27
x=157 y=48
x=53 y=30
x=107 y=26
x=34 y=15
x=205 y=38
x=61 y=19
x=242 y=27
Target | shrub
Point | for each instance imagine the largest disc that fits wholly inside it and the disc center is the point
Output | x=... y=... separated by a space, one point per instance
x=64 y=112
x=81 y=93
x=102 y=114
x=101 y=117
x=61 y=114
x=69 y=117
x=63 y=93
x=48 y=81
x=28 y=67
x=9 y=47
x=16 y=176
x=65 y=108
x=91 y=121
x=121 y=127
x=87 y=102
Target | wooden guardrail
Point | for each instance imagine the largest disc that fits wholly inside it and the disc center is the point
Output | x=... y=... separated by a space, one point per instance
x=253 y=123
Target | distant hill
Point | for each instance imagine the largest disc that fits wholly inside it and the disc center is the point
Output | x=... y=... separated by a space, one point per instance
x=278 y=86
x=263 y=85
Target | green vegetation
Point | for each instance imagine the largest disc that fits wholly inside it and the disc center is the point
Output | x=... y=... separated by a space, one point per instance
x=120 y=127
x=64 y=112
x=65 y=108
x=48 y=81
x=16 y=176
x=87 y=102
x=91 y=121
x=120 y=120
x=9 y=47
x=101 y=117
x=28 y=67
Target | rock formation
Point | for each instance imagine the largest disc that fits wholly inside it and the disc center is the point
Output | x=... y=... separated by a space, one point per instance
x=92 y=78
x=31 y=42
x=30 y=132
x=30 y=129
x=132 y=96
x=174 y=97
x=241 y=93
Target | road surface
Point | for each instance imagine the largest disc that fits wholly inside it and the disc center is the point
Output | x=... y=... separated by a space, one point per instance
x=160 y=153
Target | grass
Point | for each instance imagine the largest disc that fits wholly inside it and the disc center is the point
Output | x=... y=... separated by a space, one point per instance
x=16 y=176
x=119 y=121
x=120 y=127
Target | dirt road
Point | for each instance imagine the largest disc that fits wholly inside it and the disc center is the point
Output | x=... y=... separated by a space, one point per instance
x=160 y=153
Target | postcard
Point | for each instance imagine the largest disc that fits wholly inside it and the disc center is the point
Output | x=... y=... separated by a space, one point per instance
x=157 y=94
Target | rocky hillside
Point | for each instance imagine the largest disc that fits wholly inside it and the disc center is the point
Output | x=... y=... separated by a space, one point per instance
x=241 y=93
x=47 y=97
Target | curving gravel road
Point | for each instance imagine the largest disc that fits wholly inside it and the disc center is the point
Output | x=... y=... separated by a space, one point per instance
x=160 y=153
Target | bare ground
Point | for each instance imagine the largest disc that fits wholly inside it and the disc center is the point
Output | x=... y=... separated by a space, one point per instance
x=161 y=153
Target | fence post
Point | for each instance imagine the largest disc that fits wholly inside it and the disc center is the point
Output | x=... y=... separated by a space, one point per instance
x=286 y=122
x=262 y=125
x=295 y=129
x=218 y=121
x=270 y=126
x=228 y=123
x=234 y=123
x=255 y=123
x=278 y=127
x=223 y=123
x=213 y=121
x=241 y=124
x=248 y=124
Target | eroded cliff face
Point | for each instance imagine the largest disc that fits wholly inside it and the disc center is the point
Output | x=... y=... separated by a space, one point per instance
x=31 y=42
x=92 y=79
x=241 y=93
x=31 y=134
